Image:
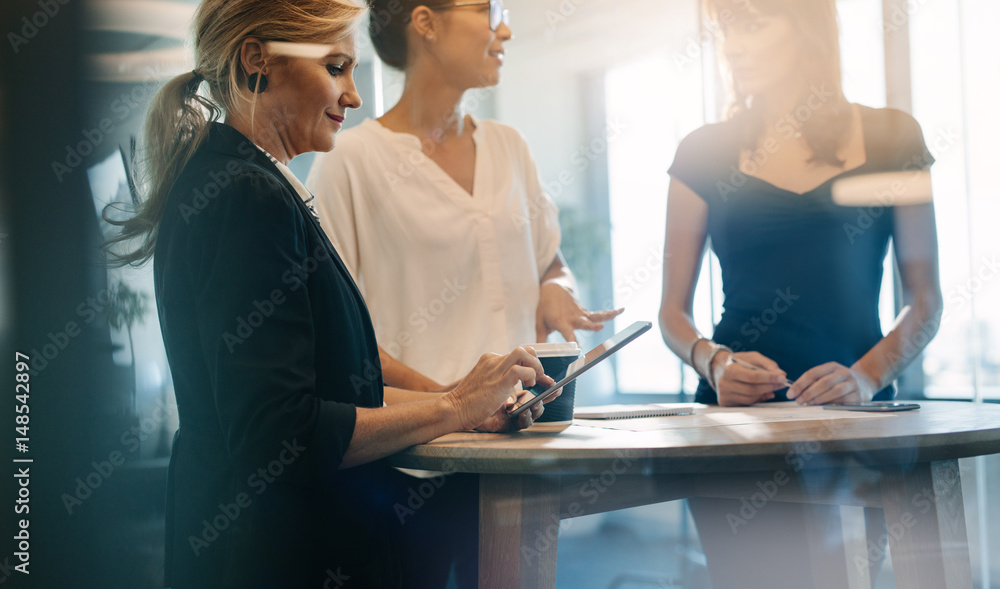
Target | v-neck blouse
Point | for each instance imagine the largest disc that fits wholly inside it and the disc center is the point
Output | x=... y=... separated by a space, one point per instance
x=801 y=276
x=446 y=275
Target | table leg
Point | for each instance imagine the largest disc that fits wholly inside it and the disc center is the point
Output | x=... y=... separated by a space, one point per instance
x=925 y=521
x=518 y=531
x=827 y=550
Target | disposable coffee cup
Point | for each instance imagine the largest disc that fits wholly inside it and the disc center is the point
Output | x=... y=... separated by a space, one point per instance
x=557 y=359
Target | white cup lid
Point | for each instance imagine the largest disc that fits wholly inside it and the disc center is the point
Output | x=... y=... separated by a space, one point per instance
x=550 y=350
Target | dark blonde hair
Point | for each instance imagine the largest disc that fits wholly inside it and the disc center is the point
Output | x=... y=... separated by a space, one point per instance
x=816 y=21
x=179 y=118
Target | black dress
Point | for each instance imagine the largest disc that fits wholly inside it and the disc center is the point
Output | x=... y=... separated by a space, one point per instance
x=800 y=275
x=271 y=349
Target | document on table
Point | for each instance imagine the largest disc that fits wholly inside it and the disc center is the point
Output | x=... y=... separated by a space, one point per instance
x=726 y=416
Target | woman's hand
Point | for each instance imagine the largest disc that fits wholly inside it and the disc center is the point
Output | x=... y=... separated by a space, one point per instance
x=488 y=389
x=558 y=310
x=832 y=383
x=501 y=422
x=737 y=385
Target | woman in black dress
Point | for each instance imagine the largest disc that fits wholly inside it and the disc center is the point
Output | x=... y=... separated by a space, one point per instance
x=276 y=477
x=801 y=274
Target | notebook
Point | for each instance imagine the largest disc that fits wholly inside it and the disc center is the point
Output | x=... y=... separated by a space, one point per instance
x=631 y=411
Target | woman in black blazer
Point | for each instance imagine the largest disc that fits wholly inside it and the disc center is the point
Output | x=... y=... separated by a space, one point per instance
x=275 y=475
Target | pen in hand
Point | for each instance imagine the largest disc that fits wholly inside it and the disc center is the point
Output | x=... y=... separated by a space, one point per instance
x=745 y=364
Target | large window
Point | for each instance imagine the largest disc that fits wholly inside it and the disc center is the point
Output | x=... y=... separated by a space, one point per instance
x=660 y=97
x=955 y=75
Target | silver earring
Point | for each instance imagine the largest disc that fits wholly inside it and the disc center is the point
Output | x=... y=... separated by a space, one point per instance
x=431 y=37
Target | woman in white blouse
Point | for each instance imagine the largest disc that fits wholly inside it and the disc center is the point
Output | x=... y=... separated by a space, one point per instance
x=440 y=216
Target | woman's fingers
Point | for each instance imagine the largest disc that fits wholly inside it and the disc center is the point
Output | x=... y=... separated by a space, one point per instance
x=738 y=398
x=810 y=377
x=602 y=316
x=845 y=392
x=524 y=420
x=524 y=356
x=568 y=331
x=750 y=376
x=587 y=323
x=758 y=359
x=554 y=395
x=518 y=373
x=822 y=386
x=594 y=321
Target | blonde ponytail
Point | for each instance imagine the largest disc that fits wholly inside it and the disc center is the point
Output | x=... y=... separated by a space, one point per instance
x=176 y=124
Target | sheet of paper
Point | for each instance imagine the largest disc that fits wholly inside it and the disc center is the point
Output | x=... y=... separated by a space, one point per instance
x=727 y=416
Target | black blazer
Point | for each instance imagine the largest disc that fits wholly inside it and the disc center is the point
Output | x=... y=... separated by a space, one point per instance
x=271 y=349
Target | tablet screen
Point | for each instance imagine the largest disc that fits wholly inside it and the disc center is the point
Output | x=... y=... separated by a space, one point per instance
x=593 y=357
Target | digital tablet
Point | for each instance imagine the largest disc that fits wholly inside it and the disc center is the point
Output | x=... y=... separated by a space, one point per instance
x=592 y=358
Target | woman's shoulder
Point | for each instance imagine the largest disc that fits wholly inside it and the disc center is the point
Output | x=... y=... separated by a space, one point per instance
x=703 y=154
x=501 y=132
x=216 y=182
x=890 y=123
x=896 y=135
x=711 y=136
x=887 y=115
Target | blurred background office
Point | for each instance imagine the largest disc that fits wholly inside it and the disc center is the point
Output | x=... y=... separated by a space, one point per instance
x=603 y=91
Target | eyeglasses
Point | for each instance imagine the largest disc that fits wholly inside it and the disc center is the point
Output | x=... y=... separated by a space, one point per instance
x=498 y=14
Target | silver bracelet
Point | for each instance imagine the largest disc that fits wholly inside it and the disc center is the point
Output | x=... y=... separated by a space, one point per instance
x=691 y=353
x=711 y=360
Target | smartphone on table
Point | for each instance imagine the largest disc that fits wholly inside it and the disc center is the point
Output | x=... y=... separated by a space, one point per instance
x=874 y=406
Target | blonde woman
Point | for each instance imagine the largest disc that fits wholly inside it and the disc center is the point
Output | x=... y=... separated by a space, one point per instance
x=275 y=476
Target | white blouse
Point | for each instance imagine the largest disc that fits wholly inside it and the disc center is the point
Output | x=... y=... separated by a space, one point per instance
x=446 y=276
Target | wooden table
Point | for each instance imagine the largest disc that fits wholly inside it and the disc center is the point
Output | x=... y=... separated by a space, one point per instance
x=529 y=481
